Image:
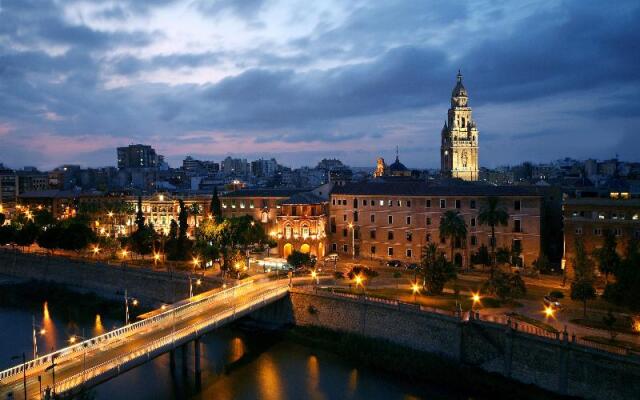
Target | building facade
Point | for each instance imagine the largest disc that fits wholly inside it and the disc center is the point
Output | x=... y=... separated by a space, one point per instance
x=137 y=156
x=589 y=218
x=395 y=220
x=459 y=147
x=301 y=225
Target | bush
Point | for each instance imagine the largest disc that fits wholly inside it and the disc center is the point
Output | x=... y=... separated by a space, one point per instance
x=338 y=275
x=556 y=294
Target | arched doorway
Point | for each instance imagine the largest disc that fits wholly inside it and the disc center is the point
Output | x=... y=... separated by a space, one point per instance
x=288 y=248
x=305 y=248
x=457 y=260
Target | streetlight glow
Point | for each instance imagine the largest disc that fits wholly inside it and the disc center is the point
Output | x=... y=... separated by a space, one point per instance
x=549 y=312
x=96 y=249
x=415 y=287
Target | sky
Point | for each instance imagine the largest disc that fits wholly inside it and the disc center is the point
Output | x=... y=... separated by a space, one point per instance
x=302 y=80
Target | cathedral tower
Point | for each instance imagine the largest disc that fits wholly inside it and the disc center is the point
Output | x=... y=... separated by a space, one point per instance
x=459 y=148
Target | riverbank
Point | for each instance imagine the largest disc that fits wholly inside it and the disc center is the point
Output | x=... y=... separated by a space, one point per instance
x=416 y=366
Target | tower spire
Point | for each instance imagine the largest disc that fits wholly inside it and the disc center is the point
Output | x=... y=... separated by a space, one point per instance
x=397 y=157
x=459 y=76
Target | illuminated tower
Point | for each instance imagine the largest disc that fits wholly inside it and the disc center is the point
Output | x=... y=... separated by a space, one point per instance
x=459 y=148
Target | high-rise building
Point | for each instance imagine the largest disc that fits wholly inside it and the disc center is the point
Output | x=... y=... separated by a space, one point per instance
x=137 y=156
x=459 y=148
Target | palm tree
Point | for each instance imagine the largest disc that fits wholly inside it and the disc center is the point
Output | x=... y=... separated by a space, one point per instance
x=453 y=227
x=493 y=215
x=195 y=211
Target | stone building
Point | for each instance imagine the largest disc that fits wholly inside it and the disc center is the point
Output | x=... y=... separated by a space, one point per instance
x=588 y=218
x=459 y=148
x=395 y=220
x=301 y=224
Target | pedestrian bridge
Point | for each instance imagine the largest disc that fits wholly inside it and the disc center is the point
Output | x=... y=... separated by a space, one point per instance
x=100 y=358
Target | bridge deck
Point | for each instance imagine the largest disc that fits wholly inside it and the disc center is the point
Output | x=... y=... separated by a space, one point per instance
x=100 y=358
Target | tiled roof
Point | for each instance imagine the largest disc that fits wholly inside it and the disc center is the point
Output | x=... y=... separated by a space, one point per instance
x=284 y=193
x=58 y=194
x=419 y=188
x=304 y=198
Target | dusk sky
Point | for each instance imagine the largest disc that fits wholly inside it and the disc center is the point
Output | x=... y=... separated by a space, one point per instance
x=304 y=80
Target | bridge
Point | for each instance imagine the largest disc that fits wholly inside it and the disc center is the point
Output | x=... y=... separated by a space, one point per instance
x=98 y=359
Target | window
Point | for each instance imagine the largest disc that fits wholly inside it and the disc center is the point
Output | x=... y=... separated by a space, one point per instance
x=428 y=238
x=305 y=231
x=597 y=231
x=409 y=220
x=428 y=203
x=458 y=204
x=516 y=205
x=409 y=253
x=373 y=249
x=345 y=248
x=579 y=230
x=473 y=221
x=408 y=236
x=381 y=203
x=264 y=217
x=390 y=219
x=390 y=251
x=517 y=225
x=333 y=225
x=428 y=220
x=390 y=235
x=355 y=216
x=443 y=203
x=390 y=203
x=474 y=240
x=344 y=232
x=408 y=203
x=344 y=217
x=334 y=247
x=617 y=231
x=364 y=202
x=287 y=231
x=472 y=204
x=333 y=202
x=372 y=217
x=399 y=203
x=355 y=203
x=372 y=234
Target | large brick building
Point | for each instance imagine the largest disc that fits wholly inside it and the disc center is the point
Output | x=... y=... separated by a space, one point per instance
x=395 y=220
x=588 y=218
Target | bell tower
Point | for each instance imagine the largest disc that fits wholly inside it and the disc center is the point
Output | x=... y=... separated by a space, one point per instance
x=459 y=147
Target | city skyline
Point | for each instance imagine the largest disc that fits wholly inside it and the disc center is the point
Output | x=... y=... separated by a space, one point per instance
x=302 y=83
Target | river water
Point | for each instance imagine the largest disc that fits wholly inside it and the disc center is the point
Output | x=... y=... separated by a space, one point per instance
x=236 y=364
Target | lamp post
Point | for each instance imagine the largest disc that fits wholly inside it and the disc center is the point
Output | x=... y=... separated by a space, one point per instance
x=134 y=302
x=72 y=340
x=353 y=240
x=415 y=288
x=475 y=298
x=198 y=283
x=35 y=329
x=52 y=368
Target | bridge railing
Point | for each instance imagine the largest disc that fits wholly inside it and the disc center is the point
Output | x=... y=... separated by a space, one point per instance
x=216 y=319
x=121 y=332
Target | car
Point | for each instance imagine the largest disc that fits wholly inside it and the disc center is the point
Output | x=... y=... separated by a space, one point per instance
x=412 y=266
x=551 y=301
x=394 y=263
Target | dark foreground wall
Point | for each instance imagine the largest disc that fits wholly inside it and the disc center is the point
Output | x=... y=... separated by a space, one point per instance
x=559 y=365
x=106 y=279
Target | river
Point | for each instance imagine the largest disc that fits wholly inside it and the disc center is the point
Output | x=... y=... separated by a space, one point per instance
x=236 y=364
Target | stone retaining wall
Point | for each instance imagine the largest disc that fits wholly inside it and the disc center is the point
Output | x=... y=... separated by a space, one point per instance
x=556 y=365
x=107 y=279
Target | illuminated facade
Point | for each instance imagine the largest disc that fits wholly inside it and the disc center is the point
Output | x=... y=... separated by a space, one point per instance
x=301 y=225
x=459 y=147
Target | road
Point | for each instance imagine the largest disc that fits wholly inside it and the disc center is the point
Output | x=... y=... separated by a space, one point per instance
x=111 y=353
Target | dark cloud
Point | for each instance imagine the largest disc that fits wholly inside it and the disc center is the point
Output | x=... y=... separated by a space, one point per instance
x=244 y=9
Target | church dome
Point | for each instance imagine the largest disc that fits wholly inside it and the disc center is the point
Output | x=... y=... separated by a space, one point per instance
x=459 y=90
x=397 y=166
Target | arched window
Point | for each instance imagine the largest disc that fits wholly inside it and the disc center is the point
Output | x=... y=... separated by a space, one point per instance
x=287 y=231
x=305 y=231
x=264 y=218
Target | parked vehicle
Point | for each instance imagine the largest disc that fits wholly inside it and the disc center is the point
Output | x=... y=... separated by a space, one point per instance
x=394 y=263
x=412 y=266
x=551 y=301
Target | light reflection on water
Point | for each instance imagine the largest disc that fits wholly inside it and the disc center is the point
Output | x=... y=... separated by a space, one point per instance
x=236 y=365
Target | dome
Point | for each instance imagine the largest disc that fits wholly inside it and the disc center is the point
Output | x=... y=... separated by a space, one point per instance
x=459 y=90
x=397 y=166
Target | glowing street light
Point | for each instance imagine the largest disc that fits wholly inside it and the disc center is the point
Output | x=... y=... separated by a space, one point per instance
x=96 y=250
x=124 y=253
x=314 y=276
x=196 y=262
x=415 y=288
x=156 y=258
x=549 y=312
x=110 y=214
x=475 y=297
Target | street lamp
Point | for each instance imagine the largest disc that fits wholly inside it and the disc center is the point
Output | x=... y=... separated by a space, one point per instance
x=156 y=258
x=96 y=250
x=196 y=262
x=353 y=240
x=415 y=288
x=36 y=330
x=549 y=312
x=314 y=276
x=475 y=298
x=124 y=253
x=24 y=372
x=359 y=282
x=198 y=283
x=134 y=302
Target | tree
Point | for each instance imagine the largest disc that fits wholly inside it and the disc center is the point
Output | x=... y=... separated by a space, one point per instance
x=140 y=214
x=582 y=288
x=49 y=238
x=43 y=218
x=216 y=208
x=493 y=215
x=194 y=210
x=481 y=256
x=502 y=255
x=142 y=240
x=76 y=235
x=609 y=321
x=298 y=259
x=362 y=271
x=625 y=291
x=436 y=270
x=7 y=234
x=607 y=256
x=516 y=252
x=453 y=227
x=505 y=286
x=26 y=235
x=2 y=219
